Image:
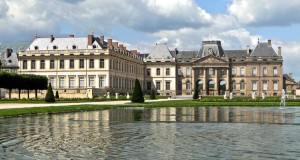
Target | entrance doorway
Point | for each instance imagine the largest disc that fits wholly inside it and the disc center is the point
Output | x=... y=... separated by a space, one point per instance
x=210 y=87
x=222 y=87
x=200 y=87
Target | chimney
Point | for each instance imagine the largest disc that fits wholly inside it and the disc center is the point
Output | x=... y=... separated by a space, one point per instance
x=279 y=51
x=121 y=48
x=102 y=40
x=176 y=51
x=90 y=39
x=51 y=38
x=248 y=50
x=115 y=44
x=125 y=49
x=71 y=35
x=109 y=43
x=269 y=42
x=9 y=52
x=134 y=52
x=291 y=75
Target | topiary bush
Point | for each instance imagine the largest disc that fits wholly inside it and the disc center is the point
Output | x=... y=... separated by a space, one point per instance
x=196 y=94
x=49 y=95
x=137 y=95
x=56 y=95
x=152 y=94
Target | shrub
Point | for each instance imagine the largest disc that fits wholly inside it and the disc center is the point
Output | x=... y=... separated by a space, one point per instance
x=49 y=95
x=137 y=95
x=196 y=95
x=56 y=95
x=152 y=94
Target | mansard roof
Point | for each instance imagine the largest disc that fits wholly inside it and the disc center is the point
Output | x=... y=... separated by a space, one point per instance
x=160 y=51
x=211 y=48
x=16 y=46
x=187 y=54
x=264 y=50
x=236 y=53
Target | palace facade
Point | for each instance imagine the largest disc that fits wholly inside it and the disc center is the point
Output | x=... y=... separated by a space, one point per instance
x=90 y=67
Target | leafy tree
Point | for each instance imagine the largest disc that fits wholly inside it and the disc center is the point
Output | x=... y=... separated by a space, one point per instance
x=137 y=95
x=56 y=95
x=196 y=94
x=49 y=95
x=152 y=94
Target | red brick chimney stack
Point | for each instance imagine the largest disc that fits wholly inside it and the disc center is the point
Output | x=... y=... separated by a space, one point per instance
x=109 y=43
x=90 y=39
x=121 y=48
x=102 y=40
x=134 y=52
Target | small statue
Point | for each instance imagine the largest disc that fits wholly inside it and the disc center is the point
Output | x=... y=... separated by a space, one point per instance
x=107 y=95
x=231 y=95
x=225 y=95
x=127 y=96
x=253 y=95
x=263 y=96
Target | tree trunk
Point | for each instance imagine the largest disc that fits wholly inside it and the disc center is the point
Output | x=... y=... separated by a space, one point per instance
x=28 y=94
x=36 y=94
x=19 y=93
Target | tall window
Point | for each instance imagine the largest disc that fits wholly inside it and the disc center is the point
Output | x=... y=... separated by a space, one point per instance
x=71 y=63
x=52 y=81
x=254 y=85
x=233 y=85
x=52 y=64
x=157 y=85
x=61 y=82
x=91 y=65
x=242 y=85
x=148 y=85
x=81 y=82
x=25 y=64
x=265 y=85
x=61 y=64
x=42 y=64
x=188 y=72
x=275 y=85
x=81 y=63
x=148 y=71
x=101 y=81
x=275 y=71
x=188 y=85
x=254 y=71
x=265 y=71
x=179 y=72
x=101 y=63
x=242 y=71
x=200 y=72
x=158 y=71
x=233 y=71
x=223 y=72
x=32 y=64
x=179 y=86
x=167 y=71
x=168 y=86
x=71 y=82
x=91 y=82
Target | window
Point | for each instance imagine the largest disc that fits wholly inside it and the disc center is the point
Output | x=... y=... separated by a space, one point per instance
x=36 y=47
x=254 y=85
x=91 y=82
x=148 y=71
x=55 y=47
x=254 y=71
x=101 y=81
x=81 y=82
x=52 y=81
x=81 y=63
x=242 y=85
x=265 y=85
x=148 y=85
x=179 y=72
x=167 y=85
x=188 y=72
x=275 y=71
x=61 y=82
x=74 y=47
x=168 y=71
x=42 y=64
x=101 y=63
x=61 y=64
x=223 y=72
x=275 y=85
x=265 y=71
x=158 y=71
x=25 y=64
x=94 y=46
x=179 y=86
x=32 y=64
x=210 y=71
x=71 y=63
x=91 y=63
x=52 y=65
x=233 y=71
x=200 y=72
x=71 y=82
x=242 y=71
x=157 y=85
x=233 y=85
x=188 y=85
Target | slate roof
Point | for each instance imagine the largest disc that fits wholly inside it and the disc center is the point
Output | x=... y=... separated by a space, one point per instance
x=236 y=53
x=287 y=77
x=211 y=47
x=15 y=46
x=263 y=50
x=187 y=54
x=160 y=51
x=64 y=43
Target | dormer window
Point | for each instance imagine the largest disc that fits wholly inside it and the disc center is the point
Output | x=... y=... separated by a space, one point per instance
x=94 y=46
x=54 y=47
x=74 y=47
x=36 y=47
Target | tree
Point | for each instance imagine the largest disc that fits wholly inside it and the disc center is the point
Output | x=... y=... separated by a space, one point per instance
x=152 y=94
x=137 y=95
x=49 y=95
x=196 y=94
x=56 y=95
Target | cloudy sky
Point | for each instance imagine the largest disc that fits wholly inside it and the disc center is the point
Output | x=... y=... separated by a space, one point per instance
x=140 y=24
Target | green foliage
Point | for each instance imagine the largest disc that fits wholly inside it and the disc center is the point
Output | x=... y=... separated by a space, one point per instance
x=137 y=95
x=196 y=94
x=152 y=94
x=49 y=95
x=56 y=95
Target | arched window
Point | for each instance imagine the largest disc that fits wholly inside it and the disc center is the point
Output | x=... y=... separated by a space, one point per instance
x=242 y=71
x=242 y=85
x=275 y=71
x=188 y=85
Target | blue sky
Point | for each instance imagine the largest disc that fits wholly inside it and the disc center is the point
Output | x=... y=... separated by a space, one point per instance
x=139 y=24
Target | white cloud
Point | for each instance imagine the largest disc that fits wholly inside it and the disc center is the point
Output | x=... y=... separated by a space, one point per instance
x=266 y=12
x=3 y=9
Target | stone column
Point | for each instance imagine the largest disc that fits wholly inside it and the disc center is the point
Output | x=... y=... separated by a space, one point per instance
x=193 y=82
x=204 y=81
x=216 y=81
x=227 y=79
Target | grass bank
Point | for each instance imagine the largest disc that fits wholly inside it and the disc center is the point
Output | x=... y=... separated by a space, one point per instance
x=174 y=103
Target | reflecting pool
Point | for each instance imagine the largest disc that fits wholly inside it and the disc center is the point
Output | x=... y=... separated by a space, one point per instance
x=155 y=133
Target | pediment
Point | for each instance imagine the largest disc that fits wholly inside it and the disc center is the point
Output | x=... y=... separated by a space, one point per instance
x=211 y=60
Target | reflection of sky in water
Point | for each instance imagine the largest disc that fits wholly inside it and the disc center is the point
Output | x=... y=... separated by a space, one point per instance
x=158 y=133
